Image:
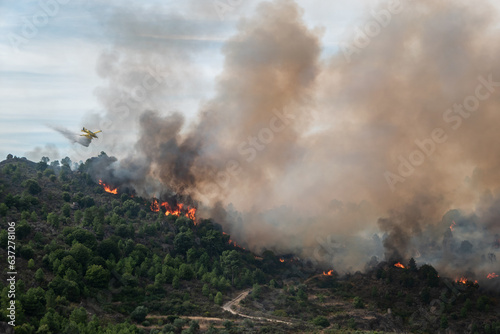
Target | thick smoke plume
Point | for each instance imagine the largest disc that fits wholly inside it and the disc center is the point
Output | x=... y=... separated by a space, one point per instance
x=370 y=148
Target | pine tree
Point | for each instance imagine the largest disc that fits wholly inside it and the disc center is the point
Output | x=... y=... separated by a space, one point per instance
x=412 y=265
x=218 y=298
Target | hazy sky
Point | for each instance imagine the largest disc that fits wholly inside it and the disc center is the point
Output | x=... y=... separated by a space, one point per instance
x=48 y=74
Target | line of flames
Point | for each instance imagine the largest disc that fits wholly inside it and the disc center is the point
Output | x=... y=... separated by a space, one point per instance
x=108 y=189
x=178 y=211
x=231 y=242
x=464 y=280
x=492 y=276
x=328 y=273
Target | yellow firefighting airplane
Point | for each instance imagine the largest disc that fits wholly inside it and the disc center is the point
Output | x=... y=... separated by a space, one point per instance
x=89 y=134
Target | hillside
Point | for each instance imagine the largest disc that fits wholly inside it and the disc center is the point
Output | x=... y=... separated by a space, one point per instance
x=95 y=261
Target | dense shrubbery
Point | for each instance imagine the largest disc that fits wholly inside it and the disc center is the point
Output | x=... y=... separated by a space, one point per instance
x=110 y=246
x=80 y=245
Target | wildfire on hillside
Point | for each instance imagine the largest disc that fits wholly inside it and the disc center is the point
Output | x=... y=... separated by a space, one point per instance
x=492 y=276
x=231 y=242
x=399 y=265
x=328 y=273
x=464 y=280
x=108 y=189
x=282 y=260
x=235 y=244
x=178 y=210
x=452 y=226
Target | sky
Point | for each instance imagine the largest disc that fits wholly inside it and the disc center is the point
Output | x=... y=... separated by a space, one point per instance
x=49 y=52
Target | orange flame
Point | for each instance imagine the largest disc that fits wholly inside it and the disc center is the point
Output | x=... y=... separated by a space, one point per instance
x=462 y=280
x=492 y=276
x=108 y=188
x=155 y=207
x=452 y=226
x=171 y=211
x=399 y=265
x=191 y=214
x=231 y=242
x=177 y=211
x=329 y=273
x=282 y=260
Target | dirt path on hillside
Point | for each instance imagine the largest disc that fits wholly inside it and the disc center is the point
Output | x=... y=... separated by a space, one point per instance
x=236 y=304
x=231 y=306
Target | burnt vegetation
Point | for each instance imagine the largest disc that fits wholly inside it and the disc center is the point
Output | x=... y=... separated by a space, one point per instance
x=90 y=261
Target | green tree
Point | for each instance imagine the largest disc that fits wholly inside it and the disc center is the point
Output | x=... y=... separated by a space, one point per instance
x=78 y=216
x=412 y=265
x=230 y=260
x=97 y=276
x=3 y=209
x=34 y=301
x=4 y=238
x=183 y=241
x=84 y=237
x=51 y=322
x=66 y=210
x=68 y=262
x=430 y=274
x=194 y=326
x=175 y=282
x=32 y=186
x=321 y=321
x=205 y=290
x=66 y=197
x=256 y=290
x=186 y=272
x=228 y=324
x=218 y=298
x=139 y=314
x=53 y=219
x=23 y=229
x=131 y=208
x=301 y=294
x=79 y=315
x=358 y=302
x=80 y=253
x=26 y=252
x=39 y=275
x=191 y=255
x=108 y=247
x=66 y=162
